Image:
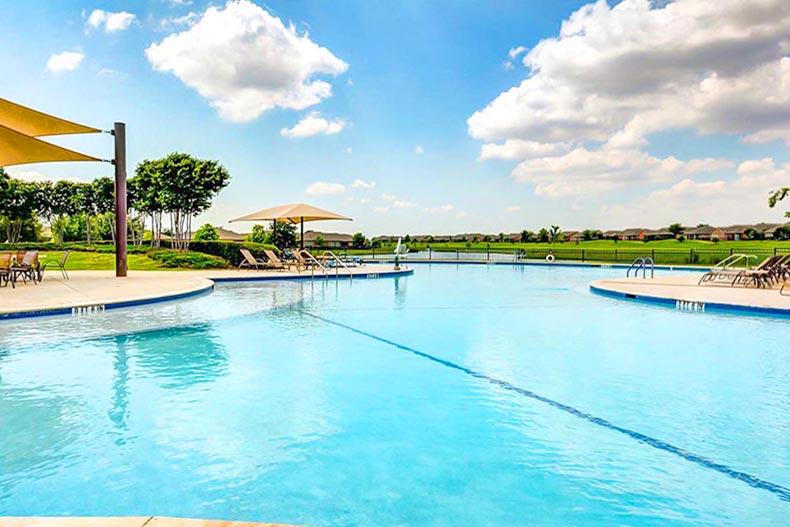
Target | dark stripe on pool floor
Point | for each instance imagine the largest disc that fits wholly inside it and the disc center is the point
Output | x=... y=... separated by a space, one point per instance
x=753 y=481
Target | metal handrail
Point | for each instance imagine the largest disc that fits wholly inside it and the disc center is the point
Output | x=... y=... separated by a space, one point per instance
x=345 y=266
x=731 y=260
x=308 y=256
x=643 y=263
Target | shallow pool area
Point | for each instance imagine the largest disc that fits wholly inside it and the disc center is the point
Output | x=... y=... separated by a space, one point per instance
x=459 y=395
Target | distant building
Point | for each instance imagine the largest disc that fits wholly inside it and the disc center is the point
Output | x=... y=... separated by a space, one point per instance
x=705 y=233
x=330 y=240
x=649 y=235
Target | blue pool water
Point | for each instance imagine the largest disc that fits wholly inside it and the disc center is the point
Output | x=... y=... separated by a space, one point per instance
x=460 y=395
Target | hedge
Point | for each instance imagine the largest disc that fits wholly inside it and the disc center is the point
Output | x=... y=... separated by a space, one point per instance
x=230 y=250
x=187 y=260
x=103 y=247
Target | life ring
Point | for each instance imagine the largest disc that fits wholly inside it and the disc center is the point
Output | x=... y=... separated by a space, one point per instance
x=550 y=258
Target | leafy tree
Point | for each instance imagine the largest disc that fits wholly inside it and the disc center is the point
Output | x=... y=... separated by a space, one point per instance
x=501 y=237
x=777 y=196
x=555 y=234
x=103 y=190
x=206 y=233
x=319 y=241
x=591 y=234
x=782 y=233
x=406 y=239
x=258 y=234
x=282 y=235
x=18 y=203
x=430 y=239
x=358 y=241
x=526 y=236
x=180 y=185
x=676 y=229
x=543 y=235
x=486 y=238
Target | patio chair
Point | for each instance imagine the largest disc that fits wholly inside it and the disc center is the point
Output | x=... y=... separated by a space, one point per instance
x=60 y=264
x=248 y=261
x=763 y=275
x=28 y=267
x=274 y=261
x=5 y=268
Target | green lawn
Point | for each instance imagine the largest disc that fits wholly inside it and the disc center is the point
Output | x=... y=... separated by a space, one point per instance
x=79 y=261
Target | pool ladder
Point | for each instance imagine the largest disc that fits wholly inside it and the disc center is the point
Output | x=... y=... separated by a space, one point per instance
x=641 y=263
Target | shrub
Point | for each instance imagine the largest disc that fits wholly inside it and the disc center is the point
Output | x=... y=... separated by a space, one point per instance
x=230 y=250
x=187 y=260
x=206 y=233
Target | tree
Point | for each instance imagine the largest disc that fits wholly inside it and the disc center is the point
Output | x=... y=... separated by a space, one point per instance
x=318 y=242
x=782 y=233
x=777 y=196
x=103 y=190
x=543 y=235
x=555 y=234
x=62 y=204
x=258 y=234
x=18 y=203
x=282 y=235
x=358 y=241
x=676 y=229
x=501 y=237
x=206 y=233
x=180 y=185
x=406 y=239
x=526 y=236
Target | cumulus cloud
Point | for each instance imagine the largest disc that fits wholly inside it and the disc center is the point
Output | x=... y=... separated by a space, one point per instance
x=313 y=124
x=66 y=61
x=691 y=202
x=403 y=204
x=513 y=208
x=419 y=149
x=111 y=22
x=35 y=177
x=246 y=61
x=324 y=188
x=359 y=183
x=614 y=75
x=439 y=209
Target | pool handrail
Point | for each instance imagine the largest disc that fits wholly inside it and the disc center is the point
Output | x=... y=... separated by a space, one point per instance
x=643 y=263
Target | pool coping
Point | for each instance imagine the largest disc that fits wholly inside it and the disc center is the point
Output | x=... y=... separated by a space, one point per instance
x=538 y=263
x=80 y=308
x=688 y=305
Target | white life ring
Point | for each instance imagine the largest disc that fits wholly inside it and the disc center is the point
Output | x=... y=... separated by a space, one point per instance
x=550 y=258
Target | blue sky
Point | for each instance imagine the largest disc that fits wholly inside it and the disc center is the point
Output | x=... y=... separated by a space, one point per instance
x=467 y=116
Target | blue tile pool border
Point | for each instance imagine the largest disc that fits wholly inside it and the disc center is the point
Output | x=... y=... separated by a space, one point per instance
x=673 y=302
x=87 y=308
x=536 y=263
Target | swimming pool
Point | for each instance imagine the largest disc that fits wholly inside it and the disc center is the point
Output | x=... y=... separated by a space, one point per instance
x=460 y=395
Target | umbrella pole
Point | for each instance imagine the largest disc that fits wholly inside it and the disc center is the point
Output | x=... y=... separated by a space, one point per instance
x=301 y=236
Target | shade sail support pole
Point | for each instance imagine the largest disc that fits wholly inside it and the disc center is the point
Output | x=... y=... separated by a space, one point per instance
x=301 y=233
x=121 y=266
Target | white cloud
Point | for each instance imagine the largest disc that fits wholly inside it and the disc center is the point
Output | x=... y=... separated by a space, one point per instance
x=246 y=61
x=323 y=188
x=313 y=124
x=743 y=199
x=112 y=22
x=359 y=183
x=439 y=209
x=364 y=200
x=66 y=61
x=402 y=204
x=349 y=150
x=615 y=75
x=184 y=20
x=36 y=177
x=380 y=210
x=513 y=208
x=419 y=149
x=388 y=197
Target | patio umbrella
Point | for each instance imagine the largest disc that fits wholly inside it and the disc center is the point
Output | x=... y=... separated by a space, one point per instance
x=294 y=213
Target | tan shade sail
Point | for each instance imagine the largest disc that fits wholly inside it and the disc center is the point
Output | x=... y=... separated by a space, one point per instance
x=294 y=213
x=17 y=148
x=36 y=124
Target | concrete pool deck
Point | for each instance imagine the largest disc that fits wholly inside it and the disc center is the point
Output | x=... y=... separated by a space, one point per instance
x=683 y=292
x=100 y=290
x=123 y=521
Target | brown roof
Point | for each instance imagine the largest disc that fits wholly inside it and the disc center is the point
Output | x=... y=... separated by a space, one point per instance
x=310 y=236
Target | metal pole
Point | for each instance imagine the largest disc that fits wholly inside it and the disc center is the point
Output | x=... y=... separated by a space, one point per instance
x=302 y=231
x=119 y=131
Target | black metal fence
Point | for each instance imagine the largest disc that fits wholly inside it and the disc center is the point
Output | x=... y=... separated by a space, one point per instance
x=691 y=256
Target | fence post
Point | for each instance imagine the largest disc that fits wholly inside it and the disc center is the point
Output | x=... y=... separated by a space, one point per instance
x=430 y=252
x=615 y=255
x=691 y=256
x=774 y=251
x=653 y=255
x=582 y=255
x=731 y=251
x=488 y=253
x=374 y=253
x=456 y=254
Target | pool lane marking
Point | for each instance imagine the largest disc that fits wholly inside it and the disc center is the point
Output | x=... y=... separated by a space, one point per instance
x=752 y=481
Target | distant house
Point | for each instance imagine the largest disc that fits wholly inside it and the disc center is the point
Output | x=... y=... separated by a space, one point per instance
x=570 y=236
x=633 y=235
x=735 y=232
x=656 y=234
x=224 y=235
x=612 y=235
x=767 y=228
x=705 y=232
x=331 y=240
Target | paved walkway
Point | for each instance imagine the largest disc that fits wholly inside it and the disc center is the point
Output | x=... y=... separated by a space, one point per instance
x=123 y=521
x=97 y=289
x=684 y=288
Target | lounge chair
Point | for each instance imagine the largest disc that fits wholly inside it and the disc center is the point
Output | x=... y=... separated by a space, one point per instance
x=60 y=264
x=28 y=267
x=274 y=261
x=734 y=275
x=305 y=260
x=764 y=275
x=5 y=268
x=248 y=261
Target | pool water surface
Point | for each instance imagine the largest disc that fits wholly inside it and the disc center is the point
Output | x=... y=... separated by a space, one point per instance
x=460 y=395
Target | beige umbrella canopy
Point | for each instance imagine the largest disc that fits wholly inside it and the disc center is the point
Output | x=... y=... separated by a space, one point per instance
x=294 y=213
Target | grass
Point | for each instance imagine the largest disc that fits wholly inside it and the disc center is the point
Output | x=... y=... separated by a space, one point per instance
x=162 y=261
